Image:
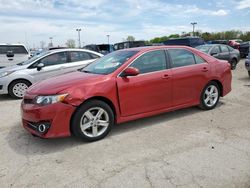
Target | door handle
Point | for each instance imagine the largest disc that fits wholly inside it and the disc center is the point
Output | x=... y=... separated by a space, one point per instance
x=204 y=69
x=166 y=76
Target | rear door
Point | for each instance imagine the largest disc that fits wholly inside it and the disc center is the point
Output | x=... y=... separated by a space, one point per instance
x=224 y=55
x=190 y=74
x=151 y=89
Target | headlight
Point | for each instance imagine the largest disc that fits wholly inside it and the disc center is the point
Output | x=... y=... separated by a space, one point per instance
x=45 y=100
x=6 y=73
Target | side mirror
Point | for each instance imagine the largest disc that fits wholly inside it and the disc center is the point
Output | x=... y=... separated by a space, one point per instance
x=130 y=71
x=40 y=66
x=214 y=53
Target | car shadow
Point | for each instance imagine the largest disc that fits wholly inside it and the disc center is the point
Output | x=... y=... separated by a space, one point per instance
x=7 y=98
x=24 y=143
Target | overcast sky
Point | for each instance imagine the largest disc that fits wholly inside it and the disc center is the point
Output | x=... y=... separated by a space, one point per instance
x=37 y=20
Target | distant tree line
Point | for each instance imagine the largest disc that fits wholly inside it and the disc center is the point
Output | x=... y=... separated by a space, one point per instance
x=224 y=35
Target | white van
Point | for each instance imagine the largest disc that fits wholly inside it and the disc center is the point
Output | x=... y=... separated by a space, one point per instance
x=11 y=54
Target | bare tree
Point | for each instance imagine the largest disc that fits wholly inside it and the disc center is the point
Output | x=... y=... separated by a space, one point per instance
x=71 y=43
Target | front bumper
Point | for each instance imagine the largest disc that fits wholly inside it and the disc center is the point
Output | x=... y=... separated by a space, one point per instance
x=55 y=116
x=3 y=86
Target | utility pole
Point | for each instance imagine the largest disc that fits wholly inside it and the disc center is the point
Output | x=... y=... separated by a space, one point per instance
x=193 y=23
x=108 y=38
x=51 y=43
x=79 y=37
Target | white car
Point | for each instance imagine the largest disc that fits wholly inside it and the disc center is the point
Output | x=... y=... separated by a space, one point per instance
x=11 y=54
x=16 y=79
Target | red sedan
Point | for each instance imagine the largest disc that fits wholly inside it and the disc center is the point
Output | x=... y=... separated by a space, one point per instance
x=122 y=86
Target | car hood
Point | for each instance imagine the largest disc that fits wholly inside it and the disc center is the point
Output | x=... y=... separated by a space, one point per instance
x=60 y=83
x=13 y=68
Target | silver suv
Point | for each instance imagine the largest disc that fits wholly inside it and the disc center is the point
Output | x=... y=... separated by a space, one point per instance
x=16 y=79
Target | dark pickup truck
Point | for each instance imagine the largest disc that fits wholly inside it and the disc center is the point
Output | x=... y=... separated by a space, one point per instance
x=244 y=49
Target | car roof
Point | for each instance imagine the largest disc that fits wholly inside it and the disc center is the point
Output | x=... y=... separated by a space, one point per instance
x=148 y=48
x=73 y=49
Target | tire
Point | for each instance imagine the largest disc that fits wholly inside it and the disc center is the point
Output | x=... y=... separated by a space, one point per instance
x=249 y=73
x=233 y=64
x=18 y=88
x=209 y=100
x=87 y=120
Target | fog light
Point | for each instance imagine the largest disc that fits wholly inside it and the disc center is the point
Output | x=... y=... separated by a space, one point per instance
x=40 y=127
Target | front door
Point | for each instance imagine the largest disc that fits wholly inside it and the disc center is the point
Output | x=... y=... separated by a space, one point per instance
x=151 y=89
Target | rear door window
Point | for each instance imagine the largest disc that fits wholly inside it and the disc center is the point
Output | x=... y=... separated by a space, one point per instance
x=79 y=56
x=215 y=50
x=181 y=57
x=224 y=49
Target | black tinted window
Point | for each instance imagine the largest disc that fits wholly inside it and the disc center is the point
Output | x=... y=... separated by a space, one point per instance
x=224 y=49
x=215 y=50
x=150 y=62
x=54 y=59
x=94 y=56
x=181 y=57
x=16 y=49
x=79 y=56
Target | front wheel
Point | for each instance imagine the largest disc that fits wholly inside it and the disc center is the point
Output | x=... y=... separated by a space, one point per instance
x=92 y=121
x=18 y=88
x=210 y=96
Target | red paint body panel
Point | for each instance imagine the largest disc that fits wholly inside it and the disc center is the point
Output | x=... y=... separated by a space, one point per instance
x=132 y=97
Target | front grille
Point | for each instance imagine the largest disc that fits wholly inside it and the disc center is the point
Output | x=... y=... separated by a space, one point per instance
x=28 y=101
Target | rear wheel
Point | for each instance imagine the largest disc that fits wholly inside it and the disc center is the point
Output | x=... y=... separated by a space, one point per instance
x=92 y=121
x=233 y=64
x=210 y=96
x=18 y=88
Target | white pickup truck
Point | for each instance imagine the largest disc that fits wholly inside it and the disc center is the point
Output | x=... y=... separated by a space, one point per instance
x=11 y=54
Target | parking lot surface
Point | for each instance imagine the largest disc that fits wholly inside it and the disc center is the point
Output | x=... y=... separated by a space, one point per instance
x=186 y=148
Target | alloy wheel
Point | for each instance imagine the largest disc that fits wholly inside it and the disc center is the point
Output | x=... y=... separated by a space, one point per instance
x=94 y=122
x=211 y=96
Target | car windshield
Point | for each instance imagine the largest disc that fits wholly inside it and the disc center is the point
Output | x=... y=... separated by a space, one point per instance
x=33 y=58
x=109 y=63
x=204 y=48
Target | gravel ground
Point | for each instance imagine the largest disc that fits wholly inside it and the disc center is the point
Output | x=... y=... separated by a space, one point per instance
x=186 y=148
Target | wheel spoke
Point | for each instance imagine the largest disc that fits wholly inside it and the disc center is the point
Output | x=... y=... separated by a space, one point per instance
x=103 y=123
x=89 y=115
x=94 y=131
x=207 y=99
x=212 y=89
x=99 y=114
x=211 y=101
x=85 y=126
x=215 y=95
x=207 y=92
